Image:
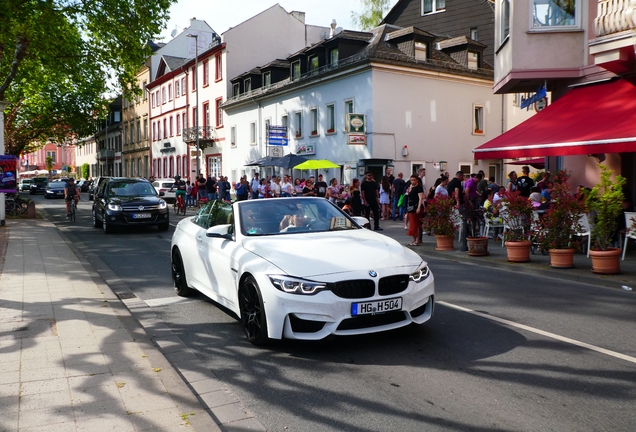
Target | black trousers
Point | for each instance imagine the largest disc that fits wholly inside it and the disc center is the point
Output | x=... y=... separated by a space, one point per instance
x=375 y=208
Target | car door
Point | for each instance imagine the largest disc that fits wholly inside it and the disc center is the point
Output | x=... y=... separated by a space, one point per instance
x=189 y=247
x=218 y=254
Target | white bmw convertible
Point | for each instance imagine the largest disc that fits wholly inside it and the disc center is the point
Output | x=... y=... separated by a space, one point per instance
x=299 y=268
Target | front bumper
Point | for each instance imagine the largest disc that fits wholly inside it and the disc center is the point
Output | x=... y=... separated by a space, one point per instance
x=128 y=218
x=315 y=317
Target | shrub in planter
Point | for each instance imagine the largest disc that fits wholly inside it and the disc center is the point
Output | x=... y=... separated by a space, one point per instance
x=561 y=222
x=516 y=212
x=439 y=216
x=605 y=203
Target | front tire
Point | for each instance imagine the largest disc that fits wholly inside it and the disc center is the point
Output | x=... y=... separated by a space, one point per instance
x=252 y=312
x=96 y=223
x=105 y=225
x=179 y=276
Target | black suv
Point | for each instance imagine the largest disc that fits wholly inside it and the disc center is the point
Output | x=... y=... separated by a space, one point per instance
x=92 y=189
x=122 y=201
x=38 y=185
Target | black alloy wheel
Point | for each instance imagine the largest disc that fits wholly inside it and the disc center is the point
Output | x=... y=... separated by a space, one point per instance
x=253 y=312
x=105 y=225
x=179 y=275
x=96 y=223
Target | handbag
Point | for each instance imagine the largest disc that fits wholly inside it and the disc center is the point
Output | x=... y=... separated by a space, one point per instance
x=401 y=200
x=410 y=208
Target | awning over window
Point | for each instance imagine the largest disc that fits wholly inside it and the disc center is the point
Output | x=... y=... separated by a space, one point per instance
x=596 y=118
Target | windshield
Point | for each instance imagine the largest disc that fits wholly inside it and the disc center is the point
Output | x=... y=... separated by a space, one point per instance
x=292 y=215
x=131 y=189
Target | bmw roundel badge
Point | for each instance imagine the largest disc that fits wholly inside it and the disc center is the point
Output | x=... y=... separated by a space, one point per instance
x=372 y=273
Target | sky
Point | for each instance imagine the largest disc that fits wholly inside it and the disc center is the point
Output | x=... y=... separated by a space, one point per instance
x=223 y=14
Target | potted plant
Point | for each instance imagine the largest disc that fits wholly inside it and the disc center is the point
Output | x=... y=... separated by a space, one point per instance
x=605 y=204
x=440 y=220
x=517 y=215
x=561 y=223
x=474 y=217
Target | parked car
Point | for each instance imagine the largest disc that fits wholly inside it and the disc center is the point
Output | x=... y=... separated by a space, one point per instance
x=94 y=186
x=167 y=187
x=38 y=185
x=24 y=185
x=83 y=185
x=245 y=256
x=55 y=189
x=128 y=202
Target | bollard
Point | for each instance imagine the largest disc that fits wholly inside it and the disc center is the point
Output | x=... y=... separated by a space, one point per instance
x=31 y=209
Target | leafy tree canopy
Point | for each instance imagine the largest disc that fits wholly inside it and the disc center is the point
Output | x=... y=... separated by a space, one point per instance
x=59 y=59
x=373 y=12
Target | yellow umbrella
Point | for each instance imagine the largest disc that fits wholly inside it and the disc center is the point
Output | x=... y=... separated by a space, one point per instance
x=314 y=164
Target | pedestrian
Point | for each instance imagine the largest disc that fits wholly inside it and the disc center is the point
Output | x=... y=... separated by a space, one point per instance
x=254 y=185
x=398 y=190
x=370 y=193
x=321 y=187
x=210 y=187
x=525 y=183
x=456 y=190
x=415 y=210
x=385 y=198
x=356 y=200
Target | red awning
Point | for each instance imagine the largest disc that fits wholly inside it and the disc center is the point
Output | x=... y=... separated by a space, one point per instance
x=596 y=118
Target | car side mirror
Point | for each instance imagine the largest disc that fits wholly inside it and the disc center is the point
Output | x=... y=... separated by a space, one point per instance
x=162 y=193
x=360 y=220
x=220 y=231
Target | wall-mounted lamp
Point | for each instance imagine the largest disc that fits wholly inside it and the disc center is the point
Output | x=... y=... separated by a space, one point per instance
x=405 y=151
x=442 y=165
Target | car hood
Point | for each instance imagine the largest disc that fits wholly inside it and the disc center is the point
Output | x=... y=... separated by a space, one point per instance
x=314 y=254
x=144 y=200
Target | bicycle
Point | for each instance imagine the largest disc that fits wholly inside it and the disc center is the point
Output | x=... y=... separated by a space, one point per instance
x=14 y=205
x=179 y=205
x=73 y=210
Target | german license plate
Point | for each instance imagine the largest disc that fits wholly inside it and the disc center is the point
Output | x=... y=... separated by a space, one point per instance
x=141 y=215
x=376 y=307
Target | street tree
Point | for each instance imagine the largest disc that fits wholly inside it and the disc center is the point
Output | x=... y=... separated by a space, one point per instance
x=60 y=59
x=372 y=13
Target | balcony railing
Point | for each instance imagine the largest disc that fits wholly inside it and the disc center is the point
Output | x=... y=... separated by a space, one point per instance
x=615 y=16
x=207 y=135
x=106 y=153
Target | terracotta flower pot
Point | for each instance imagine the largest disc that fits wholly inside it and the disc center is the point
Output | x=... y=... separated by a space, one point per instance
x=445 y=243
x=477 y=246
x=606 y=261
x=562 y=258
x=518 y=251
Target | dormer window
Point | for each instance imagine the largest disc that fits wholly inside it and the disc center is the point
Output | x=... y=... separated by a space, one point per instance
x=313 y=63
x=248 y=85
x=267 y=79
x=236 y=89
x=432 y=6
x=295 y=70
x=473 y=60
x=420 y=51
x=333 y=54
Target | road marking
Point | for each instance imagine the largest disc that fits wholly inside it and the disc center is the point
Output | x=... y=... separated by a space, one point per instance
x=543 y=333
x=166 y=301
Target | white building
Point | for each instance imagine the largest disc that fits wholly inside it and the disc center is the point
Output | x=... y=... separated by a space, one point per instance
x=422 y=108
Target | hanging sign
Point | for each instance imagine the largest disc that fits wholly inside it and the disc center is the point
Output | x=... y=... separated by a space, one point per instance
x=540 y=94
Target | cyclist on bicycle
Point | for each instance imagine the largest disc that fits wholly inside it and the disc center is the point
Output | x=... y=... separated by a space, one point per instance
x=180 y=185
x=71 y=192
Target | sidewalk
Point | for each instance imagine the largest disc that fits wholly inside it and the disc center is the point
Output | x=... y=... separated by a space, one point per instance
x=582 y=271
x=74 y=357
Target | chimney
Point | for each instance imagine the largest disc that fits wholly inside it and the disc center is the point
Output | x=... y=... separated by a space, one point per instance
x=333 y=28
x=300 y=16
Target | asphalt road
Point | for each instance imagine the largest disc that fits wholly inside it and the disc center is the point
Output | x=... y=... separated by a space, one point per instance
x=504 y=352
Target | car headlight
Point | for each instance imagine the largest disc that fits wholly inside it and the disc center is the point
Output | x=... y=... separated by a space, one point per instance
x=114 y=207
x=162 y=204
x=297 y=286
x=420 y=274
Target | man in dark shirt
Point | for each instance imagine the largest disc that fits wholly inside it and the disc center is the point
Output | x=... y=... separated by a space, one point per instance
x=321 y=187
x=370 y=193
x=525 y=183
x=456 y=190
x=398 y=190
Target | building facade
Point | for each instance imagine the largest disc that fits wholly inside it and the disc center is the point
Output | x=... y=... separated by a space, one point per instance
x=135 y=129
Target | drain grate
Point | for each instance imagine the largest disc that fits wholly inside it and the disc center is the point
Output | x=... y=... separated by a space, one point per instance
x=126 y=295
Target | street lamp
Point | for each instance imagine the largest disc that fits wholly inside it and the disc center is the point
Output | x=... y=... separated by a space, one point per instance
x=196 y=89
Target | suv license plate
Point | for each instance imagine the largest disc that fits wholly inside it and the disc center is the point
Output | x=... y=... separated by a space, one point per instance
x=141 y=215
x=376 y=307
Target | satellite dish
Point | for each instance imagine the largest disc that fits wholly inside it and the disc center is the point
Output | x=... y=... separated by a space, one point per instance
x=174 y=32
